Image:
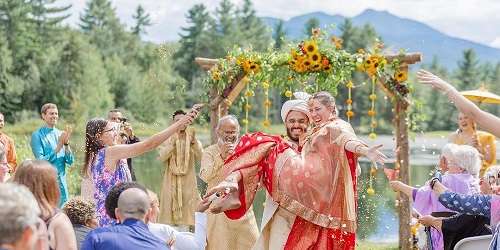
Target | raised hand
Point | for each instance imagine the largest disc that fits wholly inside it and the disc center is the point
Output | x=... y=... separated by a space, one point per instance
x=189 y=117
x=375 y=155
x=427 y=77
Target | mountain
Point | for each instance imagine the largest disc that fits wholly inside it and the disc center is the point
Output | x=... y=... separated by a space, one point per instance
x=398 y=33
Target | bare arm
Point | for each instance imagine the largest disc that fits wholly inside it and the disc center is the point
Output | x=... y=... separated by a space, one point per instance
x=65 y=238
x=124 y=151
x=401 y=187
x=486 y=120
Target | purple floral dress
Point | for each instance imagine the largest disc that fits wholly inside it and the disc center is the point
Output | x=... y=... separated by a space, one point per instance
x=104 y=180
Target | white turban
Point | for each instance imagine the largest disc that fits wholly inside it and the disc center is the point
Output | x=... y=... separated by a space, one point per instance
x=299 y=104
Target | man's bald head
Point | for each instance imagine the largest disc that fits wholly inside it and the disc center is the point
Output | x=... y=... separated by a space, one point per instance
x=133 y=203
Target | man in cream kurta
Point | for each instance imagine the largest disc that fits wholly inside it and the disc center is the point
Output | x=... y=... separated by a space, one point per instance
x=222 y=232
x=276 y=221
x=179 y=193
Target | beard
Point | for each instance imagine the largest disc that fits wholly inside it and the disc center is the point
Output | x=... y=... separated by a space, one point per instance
x=292 y=136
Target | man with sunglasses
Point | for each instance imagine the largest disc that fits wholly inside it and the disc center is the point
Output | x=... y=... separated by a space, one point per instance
x=20 y=228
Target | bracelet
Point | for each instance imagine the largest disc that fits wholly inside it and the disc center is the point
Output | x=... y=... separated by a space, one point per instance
x=433 y=182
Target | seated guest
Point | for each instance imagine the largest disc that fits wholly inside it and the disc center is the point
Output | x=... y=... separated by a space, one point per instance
x=462 y=164
x=81 y=213
x=41 y=179
x=132 y=232
x=475 y=204
x=172 y=237
x=460 y=226
x=19 y=213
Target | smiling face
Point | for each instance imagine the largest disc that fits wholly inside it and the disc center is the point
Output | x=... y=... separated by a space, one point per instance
x=228 y=131
x=51 y=116
x=108 y=136
x=465 y=123
x=319 y=112
x=296 y=125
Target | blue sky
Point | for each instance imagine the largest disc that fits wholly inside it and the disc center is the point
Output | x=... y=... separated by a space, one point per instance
x=475 y=20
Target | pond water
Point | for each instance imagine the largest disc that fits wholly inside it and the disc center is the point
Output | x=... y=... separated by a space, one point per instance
x=378 y=220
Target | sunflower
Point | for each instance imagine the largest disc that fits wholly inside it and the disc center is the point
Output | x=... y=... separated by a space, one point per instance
x=307 y=63
x=315 y=66
x=315 y=57
x=401 y=76
x=294 y=54
x=337 y=41
x=216 y=75
x=310 y=47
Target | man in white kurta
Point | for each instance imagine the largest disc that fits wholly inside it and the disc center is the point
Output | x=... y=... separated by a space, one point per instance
x=277 y=222
x=222 y=232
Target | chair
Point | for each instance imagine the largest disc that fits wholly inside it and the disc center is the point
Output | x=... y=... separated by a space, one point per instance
x=474 y=243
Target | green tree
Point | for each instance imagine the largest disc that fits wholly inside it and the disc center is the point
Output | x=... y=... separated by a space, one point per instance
x=193 y=42
x=253 y=30
x=46 y=16
x=142 y=20
x=279 y=35
x=311 y=24
x=467 y=73
x=97 y=14
x=349 y=34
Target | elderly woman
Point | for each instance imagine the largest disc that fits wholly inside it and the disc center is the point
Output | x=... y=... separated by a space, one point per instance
x=464 y=225
x=462 y=163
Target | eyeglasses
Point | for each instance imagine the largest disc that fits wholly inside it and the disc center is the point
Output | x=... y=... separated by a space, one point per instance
x=109 y=130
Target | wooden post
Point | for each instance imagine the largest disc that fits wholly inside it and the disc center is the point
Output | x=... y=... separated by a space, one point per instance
x=402 y=160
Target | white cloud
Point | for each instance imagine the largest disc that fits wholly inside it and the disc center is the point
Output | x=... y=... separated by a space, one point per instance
x=472 y=20
x=496 y=43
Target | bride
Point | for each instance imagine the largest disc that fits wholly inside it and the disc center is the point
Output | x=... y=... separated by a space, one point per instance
x=318 y=185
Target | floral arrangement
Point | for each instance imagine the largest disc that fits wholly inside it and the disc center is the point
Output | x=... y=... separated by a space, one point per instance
x=318 y=63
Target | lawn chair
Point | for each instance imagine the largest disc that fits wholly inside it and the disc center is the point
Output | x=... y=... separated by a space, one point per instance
x=474 y=243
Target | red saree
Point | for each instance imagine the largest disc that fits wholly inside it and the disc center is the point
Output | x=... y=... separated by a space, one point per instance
x=317 y=186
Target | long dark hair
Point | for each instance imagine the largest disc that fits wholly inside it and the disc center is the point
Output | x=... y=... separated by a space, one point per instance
x=93 y=131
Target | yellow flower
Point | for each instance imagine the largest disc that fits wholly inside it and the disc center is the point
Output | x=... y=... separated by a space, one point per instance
x=216 y=75
x=310 y=47
x=373 y=124
x=266 y=123
x=267 y=103
x=294 y=53
x=349 y=114
x=244 y=121
x=372 y=136
x=370 y=191
x=315 y=57
x=371 y=112
x=315 y=66
x=349 y=84
x=265 y=85
x=373 y=97
x=249 y=93
x=248 y=107
x=288 y=93
x=401 y=76
x=348 y=101
x=337 y=41
x=361 y=51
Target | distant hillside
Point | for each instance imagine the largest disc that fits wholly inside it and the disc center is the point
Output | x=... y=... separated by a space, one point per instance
x=398 y=33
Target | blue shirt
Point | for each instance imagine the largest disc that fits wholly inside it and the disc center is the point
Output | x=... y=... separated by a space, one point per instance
x=131 y=234
x=43 y=144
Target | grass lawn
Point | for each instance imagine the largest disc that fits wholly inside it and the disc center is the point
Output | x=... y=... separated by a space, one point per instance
x=366 y=245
